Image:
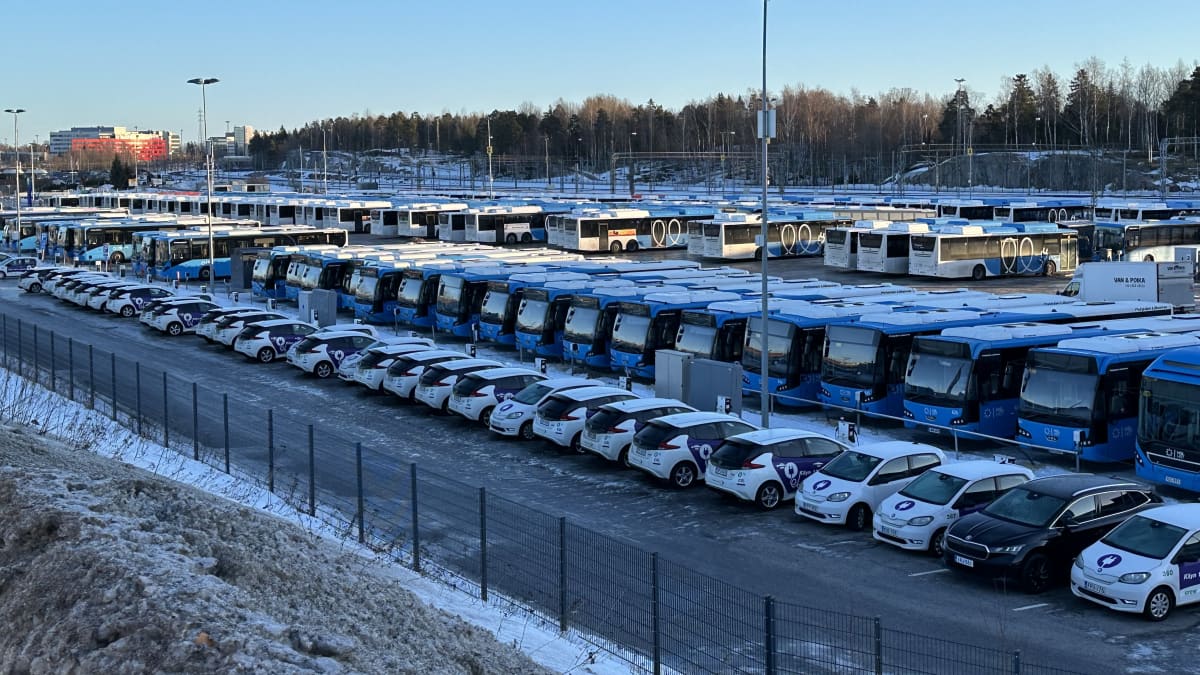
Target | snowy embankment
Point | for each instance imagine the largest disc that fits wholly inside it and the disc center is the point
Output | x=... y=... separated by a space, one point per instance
x=119 y=556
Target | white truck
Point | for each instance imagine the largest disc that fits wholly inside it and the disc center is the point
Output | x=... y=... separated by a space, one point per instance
x=1167 y=282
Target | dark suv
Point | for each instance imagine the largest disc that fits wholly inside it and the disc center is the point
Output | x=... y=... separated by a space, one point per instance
x=1033 y=532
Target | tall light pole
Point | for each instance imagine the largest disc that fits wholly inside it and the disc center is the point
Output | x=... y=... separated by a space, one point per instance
x=724 y=151
x=766 y=124
x=958 y=136
x=632 y=136
x=32 y=172
x=208 y=159
x=17 y=173
x=324 y=160
x=547 y=140
x=491 y=177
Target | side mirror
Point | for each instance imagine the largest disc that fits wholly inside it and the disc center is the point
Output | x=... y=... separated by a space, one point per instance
x=1069 y=522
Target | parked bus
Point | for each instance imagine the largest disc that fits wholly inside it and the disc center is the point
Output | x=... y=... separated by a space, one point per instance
x=412 y=220
x=718 y=331
x=1125 y=240
x=587 y=331
x=971 y=251
x=1140 y=212
x=625 y=229
x=969 y=378
x=502 y=300
x=738 y=236
x=1045 y=211
x=968 y=209
x=841 y=243
x=110 y=242
x=185 y=255
x=505 y=224
x=542 y=314
x=1081 y=397
x=1168 y=431
x=460 y=295
x=452 y=226
x=886 y=250
x=651 y=323
x=268 y=278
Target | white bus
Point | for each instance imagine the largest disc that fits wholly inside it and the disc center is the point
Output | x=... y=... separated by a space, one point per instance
x=886 y=250
x=1145 y=241
x=971 y=251
x=505 y=224
x=1141 y=211
x=971 y=209
x=617 y=230
x=841 y=243
x=411 y=220
x=738 y=236
x=1049 y=211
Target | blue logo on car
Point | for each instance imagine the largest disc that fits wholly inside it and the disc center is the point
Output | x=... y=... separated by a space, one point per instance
x=905 y=505
x=1107 y=561
x=822 y=484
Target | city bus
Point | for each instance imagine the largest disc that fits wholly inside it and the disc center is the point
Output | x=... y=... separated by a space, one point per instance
x=460 y=294
x=975 y=252
x=1125 y=240
x=1046 y=211
x=505 y=224
x=109 y=241
x=738 y=236
x=503 y=300
x=841 y=243
x=1081 y=397
x=269 y=275
x=587 y=331
x=718 y=331
x=1140 y=212
x=542 y=314
x=886 y=250
x=1168 y=430
x=969 y=378
x=184 y=255
x=452 y=226
x=412 y=220
x=969 y=209
x=625 y=229
x=650 y=323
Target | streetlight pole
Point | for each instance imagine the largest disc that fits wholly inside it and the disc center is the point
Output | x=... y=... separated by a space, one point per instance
x=324 y=161
x=491 y=177
x=17 y=172
x=765 y=125
x=547 y=140
x=204 y=82
x=32 y=172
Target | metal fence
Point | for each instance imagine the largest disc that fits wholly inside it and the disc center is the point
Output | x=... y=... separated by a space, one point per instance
x=655 y=613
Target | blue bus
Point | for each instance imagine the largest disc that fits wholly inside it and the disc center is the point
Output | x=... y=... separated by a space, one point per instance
x=587 y=331
x=651 y=323
x=185 y=255
x=969 y=378
x=542 y=314
x=865 y=364
x=978 y=251
x=460 y=295
x=718 y=331
x=269 y=275
x=1168 y=431
x=1081 y=397
x=502 y=302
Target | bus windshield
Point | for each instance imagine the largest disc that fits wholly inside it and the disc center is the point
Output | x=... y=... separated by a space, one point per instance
x=449 y=294
x=410 y=291
x=494 y=305
x=779 y=347
x=262 y=267
x=1170 y=414
x=581 y=324
x=851 y=356
x=631 y=332
x=1055 y=396
x=700 y=340
x=532 y=317
x=365 y=289
x=938 y=379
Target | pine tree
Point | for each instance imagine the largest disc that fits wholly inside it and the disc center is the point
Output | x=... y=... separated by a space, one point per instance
x=118 y=175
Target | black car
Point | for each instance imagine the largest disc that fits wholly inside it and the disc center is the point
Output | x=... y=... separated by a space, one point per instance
x=1032 y=533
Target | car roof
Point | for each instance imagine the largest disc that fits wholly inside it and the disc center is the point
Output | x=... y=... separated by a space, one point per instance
x=590 y=392
x=467 y=362
x=689 y=418
x=643 y=404
x=1186 y=516
x=1069 y=485
x=981 y=468
x=893 y=449
x=333 y=335
x=400 y=348
x=773 y=436
x=273 y=323
x=496 y=373
x=433 y=354
x=564 y=383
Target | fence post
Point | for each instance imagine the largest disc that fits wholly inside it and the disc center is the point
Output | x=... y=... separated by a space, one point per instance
x=312 y=474
x=5 y=340
x=166 y=414
x=71 y=368
x=362 y=538
x=113 y=382
x=416 y=531
x=483 y=580
x=53 y=366
x=91 y=378
x=270 y=450
x=225 y=420
x=562 y=574
x=1016 y=662
x=654 y=615
x=769 y=634
x=137 y=371
x=195 y=423
x=878 y=631
x=37 y=374
x=20 y=349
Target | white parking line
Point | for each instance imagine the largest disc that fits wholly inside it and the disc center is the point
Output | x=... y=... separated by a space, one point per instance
x=921 y=574
x=1022 y=609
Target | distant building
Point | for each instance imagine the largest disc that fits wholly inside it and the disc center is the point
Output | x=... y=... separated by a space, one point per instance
x=145 y=145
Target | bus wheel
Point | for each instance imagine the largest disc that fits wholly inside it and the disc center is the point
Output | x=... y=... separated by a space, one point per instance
x=978 y=273
x=204 y=273
x=1049 y=269
x=526 y=238
x=758 y=253
x=614 y=247
x=1148 y=258
x=510 y=238
x=633 y=246
x=116 y=258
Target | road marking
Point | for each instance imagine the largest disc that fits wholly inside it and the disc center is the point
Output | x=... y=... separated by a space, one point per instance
x=921 y=574
x=1022 y=609
x=844 y=542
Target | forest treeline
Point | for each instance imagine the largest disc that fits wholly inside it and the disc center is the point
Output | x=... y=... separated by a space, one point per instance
x=1100 y=107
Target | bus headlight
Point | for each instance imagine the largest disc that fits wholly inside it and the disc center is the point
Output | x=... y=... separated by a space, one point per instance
x=1021 y=433
x=920 y=521
x=908 y=414
x=1134 y=577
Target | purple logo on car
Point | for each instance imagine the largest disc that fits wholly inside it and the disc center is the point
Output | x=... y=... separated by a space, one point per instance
x=905 y=505
x=822 y=484
x=1107 y=561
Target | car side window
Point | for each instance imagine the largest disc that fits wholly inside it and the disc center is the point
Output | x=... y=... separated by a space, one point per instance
x=892 y=470
x=707 y=432
x=1007 y=483
x=303 y=330
x=822 y=447
x=1112 y=503
x=1082 y=510
x=1190 y=551
x=734 y=428
x=792 y=449
x=362 y=342
x=979 y=492
x=919 y=463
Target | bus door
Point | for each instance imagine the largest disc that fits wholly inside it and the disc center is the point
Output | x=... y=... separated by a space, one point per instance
x=602 y=232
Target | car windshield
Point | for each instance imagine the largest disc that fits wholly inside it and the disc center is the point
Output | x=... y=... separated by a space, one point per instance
x=1056 y=396
x=533 y=393
x=630 y=333
x=934 y=487
x=532 y=317
x=734 y=453
x=1146 y=537
x=1026 y=507
x=698 y=340
x=581 y=324
x=937 y=379
x=852 y=466
x=654 y=434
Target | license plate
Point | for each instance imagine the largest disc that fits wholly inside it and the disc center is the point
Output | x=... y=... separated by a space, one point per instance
x=589 y=435
x=890 y=531
x=1095 y=588
x=809 y=504
x=720 y=473
x=1172 y=480
x=934 y=430
x=965 y=562
x=639 y=452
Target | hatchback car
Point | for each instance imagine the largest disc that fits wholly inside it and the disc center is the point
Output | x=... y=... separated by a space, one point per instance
x=98 y=298
x=406 y=370
x=767 y=466
x=321 y=352
x=609 y=433
x=53 y=280
x=1033 y=532
x=32 y=281
x=560 y=418
x=16 y=265
x=270 y=340
x=676 y=448
x=848 y=489
x=349 y=365
x=477 y=394
x=178 y=318
x=207 y=328
x=129 y=301
x=916 y=517
x=437 y=382
x=370 y=367
x=1149 y=563
x=230 y=326
x=515 y=416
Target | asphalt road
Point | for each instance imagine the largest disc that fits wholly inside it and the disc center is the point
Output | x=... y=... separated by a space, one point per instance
x=736 y=548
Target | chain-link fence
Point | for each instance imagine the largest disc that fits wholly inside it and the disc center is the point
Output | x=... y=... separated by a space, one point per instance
x=653 y=612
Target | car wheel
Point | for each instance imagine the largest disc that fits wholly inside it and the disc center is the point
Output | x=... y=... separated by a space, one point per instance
x=623 y=458
x=614 y=247
x=859 y=518
x=445 y=407
x=175 y=329
x=978 y=273
x=937 y=545
x=1035 y=573
x=127 y=311
x=576 y=445
x=323 y=370
x=266 y=355
x=526 y=431
x=683 y=476
x=35 y=288
x=769 y=496
x=485 y=415
x=1159 y=604
x=1050 y=269
x=3 y=274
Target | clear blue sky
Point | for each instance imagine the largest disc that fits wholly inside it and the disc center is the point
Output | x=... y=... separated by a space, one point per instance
x=285 y=62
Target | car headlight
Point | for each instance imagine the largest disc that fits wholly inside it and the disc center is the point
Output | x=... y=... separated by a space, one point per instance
x=1079 y=561
x=838 y=497
x=1134 y=577
x=512 y=416
x=920 y=521
x=1011 y=550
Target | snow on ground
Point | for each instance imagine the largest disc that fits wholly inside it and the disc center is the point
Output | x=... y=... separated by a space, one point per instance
x=174 y=579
